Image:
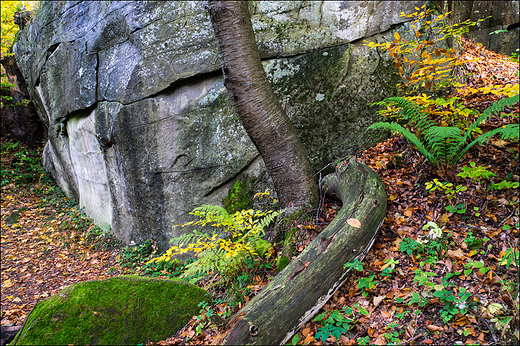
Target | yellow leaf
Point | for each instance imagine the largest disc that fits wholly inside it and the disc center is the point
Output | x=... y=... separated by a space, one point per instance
x=397 y=37
x=354 y=223
x=7 y=283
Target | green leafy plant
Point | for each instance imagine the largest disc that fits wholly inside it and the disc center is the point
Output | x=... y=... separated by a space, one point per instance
x=416 y=298
x=511 y=256
x=392 y=336
x=444 y=146
x=422 y=278
x=389 y=266
x=409 y=246
x=476 y=173
x=363 y=340
x=357 y=265
x=26 y=166
x=337 y=322
x=473 y=242
x=504 y=184
x=133 y=256
x=453 y=304
x=334 y=325
x=456 y=209
x=367 y=283
x=239 y=237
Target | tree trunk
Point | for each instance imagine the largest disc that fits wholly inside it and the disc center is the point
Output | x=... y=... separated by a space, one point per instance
x=257 y=106
x=297 y=293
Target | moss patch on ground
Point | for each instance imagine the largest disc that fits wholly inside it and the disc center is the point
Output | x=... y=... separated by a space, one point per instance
x=115 y=311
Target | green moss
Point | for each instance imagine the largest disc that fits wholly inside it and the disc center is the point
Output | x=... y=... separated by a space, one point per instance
x=115 y=311
x=282 y=262
x=239 y=197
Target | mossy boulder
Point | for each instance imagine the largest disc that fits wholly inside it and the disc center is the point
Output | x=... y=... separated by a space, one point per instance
x=117 y=311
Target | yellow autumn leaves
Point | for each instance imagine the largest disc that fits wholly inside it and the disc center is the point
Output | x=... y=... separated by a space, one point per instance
x=420 y=62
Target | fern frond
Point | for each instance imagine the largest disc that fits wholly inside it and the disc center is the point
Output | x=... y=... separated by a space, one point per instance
x=499 y=105
x=408 y=135
x=495 y=108
x=187 y=238
x=214 y=214
x=444 y=142
x=265 y=221
x=506 y=132
x=413 y=113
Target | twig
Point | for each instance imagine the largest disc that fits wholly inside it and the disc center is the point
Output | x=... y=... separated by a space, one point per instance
x=507 y=218
x=490 y=329
x=24 y=322
x=407 y=342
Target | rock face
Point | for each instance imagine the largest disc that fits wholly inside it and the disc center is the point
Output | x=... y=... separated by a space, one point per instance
x=124 y=310
x=140 y=126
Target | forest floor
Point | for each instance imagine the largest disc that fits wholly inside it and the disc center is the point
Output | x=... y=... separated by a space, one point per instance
x=443 y=269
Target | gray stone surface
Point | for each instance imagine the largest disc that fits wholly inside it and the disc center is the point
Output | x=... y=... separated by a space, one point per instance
x=140 y=126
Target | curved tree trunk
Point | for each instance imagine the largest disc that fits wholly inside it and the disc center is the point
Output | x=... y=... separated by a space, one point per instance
x=258 y=107
x=297 y=293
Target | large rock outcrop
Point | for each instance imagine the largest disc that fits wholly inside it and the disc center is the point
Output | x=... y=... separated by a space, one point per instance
x=140 y=127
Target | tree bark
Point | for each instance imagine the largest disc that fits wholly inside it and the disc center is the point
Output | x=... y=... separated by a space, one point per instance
x=258 y=107
x=298 y=292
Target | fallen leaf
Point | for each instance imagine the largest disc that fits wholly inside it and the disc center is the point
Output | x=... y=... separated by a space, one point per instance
x=456 y=254
x=434 y=328
x=380 y=340
x=386 y=314
x=443 y=220
x=449 y=265
x=308 y=339
x=346 y=341
x=378 y=300
x=354 y=223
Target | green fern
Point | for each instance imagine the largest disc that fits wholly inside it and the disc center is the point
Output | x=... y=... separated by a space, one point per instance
x=444 y=146
x=506 y=132
x=408 y=135
x=495 y=108
x=225 y=252
x=268 y=219
x=443 y=142
x=413 y=113
x=187 y=238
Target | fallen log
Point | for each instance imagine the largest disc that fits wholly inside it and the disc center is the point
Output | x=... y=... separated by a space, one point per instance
x=298 y=292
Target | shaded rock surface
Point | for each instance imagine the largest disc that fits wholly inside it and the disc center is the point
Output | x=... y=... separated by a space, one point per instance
x=117 y=311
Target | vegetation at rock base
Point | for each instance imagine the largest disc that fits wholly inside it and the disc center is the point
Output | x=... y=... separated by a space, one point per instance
x=444 y=268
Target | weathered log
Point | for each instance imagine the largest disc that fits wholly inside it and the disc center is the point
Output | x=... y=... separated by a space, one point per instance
x=297 y=293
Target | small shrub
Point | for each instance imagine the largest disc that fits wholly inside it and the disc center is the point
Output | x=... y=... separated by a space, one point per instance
x=224 y=252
